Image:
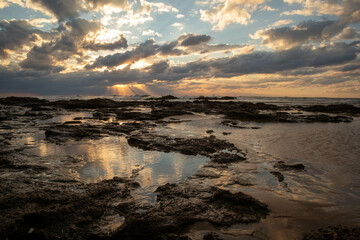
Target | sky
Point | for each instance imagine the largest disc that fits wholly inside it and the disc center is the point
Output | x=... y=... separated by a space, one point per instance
x=294 y=48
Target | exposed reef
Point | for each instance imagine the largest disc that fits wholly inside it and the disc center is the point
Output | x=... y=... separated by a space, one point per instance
x=44 y=197
x=181 y=205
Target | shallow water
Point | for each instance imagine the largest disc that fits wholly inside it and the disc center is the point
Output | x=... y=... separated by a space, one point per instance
x=112 y=156
x=328 y=192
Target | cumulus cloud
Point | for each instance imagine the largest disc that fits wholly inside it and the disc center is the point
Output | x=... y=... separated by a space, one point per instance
x=39 y=58
x=144 y=50
x=73 y=41
x=118 y=44
x=183 y=45
x=151 y=32
x=349 y=34
x=272 y=62
x=96 y=4
x=194 y=39
x=347 y=10
x=282 y=22
x=288 y=37
x=230 y=11
x=305 y=61
x=62 y=10
x=178 y=25
x=315 y=7
x=15 y=34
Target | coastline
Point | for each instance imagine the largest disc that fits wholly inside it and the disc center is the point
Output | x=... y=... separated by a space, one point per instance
x=46 y=197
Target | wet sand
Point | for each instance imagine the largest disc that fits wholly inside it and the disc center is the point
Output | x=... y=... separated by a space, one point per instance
x=167 y=169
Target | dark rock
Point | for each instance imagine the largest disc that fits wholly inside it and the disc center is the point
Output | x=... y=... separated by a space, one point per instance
x=278 y=175
x=73 y=122
x=203 y=146
x=167 y=97
x=334 y=232
x=333 y=108
x=289 y=167
x=210 y=131
x=22 y=101
x=163 y=98
x=54 y=211
x=38 y=115
x=325 y=118
x=181 y=205
x=211 y=236
x=227 y=158
x=63 y=132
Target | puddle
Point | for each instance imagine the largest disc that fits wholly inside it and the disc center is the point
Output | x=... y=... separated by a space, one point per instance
x=112 y=156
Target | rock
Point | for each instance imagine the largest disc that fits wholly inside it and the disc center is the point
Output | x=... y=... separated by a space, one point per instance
x=73 y=122
x=333 y=108
x=289 y=167
x=278 y=175
x=203 y=172
x=63 y=132
x=180 y=206
x=210 y=131
x=334 y=232
x=211 y=236
x=227 y=158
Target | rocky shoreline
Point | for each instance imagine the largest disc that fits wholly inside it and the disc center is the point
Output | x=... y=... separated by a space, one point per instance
x=41 y=199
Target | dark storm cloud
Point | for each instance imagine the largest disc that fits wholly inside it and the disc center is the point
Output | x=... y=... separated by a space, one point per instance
x=62 y=10
x=15 y=34
x=193 y=39
x=121 y=43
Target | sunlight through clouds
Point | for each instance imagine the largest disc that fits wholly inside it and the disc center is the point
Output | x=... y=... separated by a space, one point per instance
x=178 y=46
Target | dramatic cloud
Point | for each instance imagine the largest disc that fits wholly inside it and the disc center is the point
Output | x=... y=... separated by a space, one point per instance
x=288 y=37
x=62 y=10
x=122 y=4
x=144 y=50
x=87 y=46
x=39 y=58
x=272 y=62
x=15 y=34
x=260 y=62
x=230 y=11
x=349 y=34
x=185 y=44
x=282 y=22
x=315 y=7
x=193 y=39
x=71 y=42
x=121 y=43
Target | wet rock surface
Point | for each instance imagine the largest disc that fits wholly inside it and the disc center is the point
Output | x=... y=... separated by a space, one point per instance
x=43 y=198
x=40 y=202
x=333 y=108
x=333 y=232
x=183 y=204
x=289 y=167
x=204 y=146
